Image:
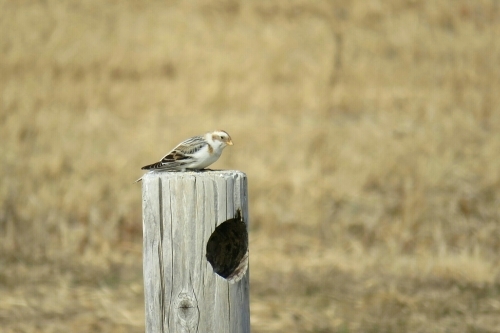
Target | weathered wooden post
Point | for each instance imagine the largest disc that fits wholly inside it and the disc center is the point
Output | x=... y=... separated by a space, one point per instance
x=181 y=211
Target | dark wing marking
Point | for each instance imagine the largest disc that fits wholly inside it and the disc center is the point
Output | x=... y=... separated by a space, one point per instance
x=181 y=154
x=154 y=166
x=190 y=146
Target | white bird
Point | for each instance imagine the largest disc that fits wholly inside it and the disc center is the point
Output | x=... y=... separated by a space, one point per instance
x=195 y=153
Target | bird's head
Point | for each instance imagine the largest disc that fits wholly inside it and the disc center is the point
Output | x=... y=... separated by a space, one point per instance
x=220 y=138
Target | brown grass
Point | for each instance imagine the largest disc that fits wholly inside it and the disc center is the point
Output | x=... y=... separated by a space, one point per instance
x=369 y=130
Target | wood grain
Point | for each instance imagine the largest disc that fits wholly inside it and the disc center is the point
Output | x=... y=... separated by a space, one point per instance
x=180 y=212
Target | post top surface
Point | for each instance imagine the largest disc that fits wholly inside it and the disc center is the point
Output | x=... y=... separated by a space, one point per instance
x=197 y=174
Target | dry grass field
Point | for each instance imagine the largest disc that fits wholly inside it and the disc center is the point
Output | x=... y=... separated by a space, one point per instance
x=369 y=131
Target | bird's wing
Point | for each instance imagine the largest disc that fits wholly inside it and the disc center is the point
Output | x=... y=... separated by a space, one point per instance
x=188 y=147
x=181 y=154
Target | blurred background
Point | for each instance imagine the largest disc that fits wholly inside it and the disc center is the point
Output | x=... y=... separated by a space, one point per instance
x=369 y=131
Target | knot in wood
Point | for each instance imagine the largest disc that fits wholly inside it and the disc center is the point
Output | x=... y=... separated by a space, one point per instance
x=187 y=308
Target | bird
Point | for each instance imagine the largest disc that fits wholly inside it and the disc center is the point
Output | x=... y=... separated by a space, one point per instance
x=195 y=153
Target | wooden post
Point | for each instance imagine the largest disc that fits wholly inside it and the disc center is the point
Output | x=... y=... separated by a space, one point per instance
x=181 y=211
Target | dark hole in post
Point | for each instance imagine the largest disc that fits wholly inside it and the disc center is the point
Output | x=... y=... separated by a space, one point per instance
x=227 y=248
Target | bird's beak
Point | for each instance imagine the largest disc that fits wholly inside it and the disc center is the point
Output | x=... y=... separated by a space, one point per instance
x=229 y=143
